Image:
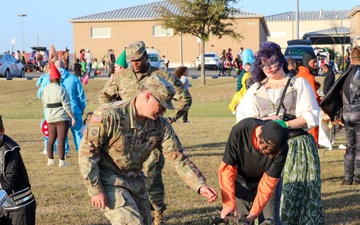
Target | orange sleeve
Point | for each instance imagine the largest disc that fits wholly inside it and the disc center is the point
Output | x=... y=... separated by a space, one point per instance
x=312 y=82
x=227 y=175
x=265 y=190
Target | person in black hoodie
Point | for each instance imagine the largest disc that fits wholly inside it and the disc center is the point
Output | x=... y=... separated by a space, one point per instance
x=20 y=206
x=329 y=79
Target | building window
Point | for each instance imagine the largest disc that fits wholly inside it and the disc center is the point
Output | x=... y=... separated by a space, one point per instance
x=100 y=32
x=160 y=31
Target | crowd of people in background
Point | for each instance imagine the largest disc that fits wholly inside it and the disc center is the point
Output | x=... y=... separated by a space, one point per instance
x=277 y=106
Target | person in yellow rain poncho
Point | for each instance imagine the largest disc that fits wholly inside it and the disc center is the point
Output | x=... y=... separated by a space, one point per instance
x=246 y=83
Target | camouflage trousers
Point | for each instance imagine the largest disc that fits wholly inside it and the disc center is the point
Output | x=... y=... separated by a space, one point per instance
x=125 y=207
x=152 y=169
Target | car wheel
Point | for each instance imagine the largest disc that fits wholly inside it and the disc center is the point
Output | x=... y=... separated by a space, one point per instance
x=7 y=74
x=22 y=73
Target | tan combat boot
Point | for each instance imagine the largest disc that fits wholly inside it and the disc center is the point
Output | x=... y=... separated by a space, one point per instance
x=158 y=217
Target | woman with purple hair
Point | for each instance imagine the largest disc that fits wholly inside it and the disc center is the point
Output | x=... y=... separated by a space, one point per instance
x=277 y=95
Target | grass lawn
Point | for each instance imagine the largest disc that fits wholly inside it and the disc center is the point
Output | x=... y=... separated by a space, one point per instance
x=60 y=192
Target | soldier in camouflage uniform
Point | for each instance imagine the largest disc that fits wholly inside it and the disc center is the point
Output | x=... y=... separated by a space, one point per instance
x=124 y=85
x=116 y=143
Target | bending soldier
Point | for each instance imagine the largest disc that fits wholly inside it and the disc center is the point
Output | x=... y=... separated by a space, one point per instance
x=119 y=139
x=124 y=85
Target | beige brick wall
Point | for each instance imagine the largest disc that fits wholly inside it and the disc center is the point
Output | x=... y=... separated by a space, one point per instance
x=125 y=32
x=355 y=29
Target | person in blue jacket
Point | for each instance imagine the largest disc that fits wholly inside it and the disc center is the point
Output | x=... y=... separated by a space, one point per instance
x=73 y=86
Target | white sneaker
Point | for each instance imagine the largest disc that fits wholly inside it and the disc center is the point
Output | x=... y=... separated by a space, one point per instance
x=341 y=146
x=44 y=152
x=63 y=163
x=50 y=162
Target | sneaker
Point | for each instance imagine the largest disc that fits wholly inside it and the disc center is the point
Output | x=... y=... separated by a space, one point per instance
x=63 y=163
x=50 y=162
x=45 y=152
x=341 y=147
x=187 y=121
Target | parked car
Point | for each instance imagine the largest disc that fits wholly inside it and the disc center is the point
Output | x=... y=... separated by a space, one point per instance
x=10 y=67
x=154 y=57
x=297 y=48
x=212 y=61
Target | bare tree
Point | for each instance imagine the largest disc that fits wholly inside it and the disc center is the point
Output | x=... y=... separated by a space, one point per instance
x=340 y=38
x=201 y=18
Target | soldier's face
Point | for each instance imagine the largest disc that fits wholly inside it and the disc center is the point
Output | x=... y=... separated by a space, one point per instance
x=140 y=65
x=155 y=109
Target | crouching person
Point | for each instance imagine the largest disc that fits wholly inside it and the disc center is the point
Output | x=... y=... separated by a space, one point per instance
x=251 y=167
x=116 y=143
x=20 y=206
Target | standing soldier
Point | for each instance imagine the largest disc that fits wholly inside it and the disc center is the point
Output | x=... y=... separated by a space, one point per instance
x=117 y=141
x=124 y=85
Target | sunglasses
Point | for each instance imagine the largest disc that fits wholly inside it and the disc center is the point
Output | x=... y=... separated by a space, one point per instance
x=270 y=65
x=161 y=107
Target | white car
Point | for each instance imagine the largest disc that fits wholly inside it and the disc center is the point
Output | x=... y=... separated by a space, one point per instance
x=10 y=67
x=212 y=61
x=154 y=57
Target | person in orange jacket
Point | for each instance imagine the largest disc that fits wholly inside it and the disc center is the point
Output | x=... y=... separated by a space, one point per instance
x=251 y=167
x=306 y=71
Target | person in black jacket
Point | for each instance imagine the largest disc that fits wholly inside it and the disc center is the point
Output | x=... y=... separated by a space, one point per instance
x=20 y=206
x=329 y=79
x=344 y=97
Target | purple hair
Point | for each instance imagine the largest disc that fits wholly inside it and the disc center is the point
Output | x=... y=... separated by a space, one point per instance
x=266 y=50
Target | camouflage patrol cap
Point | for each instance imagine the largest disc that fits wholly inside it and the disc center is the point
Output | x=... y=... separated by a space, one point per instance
x=161 y=89
x=135 y=50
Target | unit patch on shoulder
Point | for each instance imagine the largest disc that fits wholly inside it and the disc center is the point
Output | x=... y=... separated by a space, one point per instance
x=94 y=132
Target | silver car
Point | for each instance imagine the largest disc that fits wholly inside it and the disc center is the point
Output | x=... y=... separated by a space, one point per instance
x=10 y=67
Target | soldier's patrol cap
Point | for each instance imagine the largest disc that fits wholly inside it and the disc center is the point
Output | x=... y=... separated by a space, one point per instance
x=135 y=50
x=161 y=89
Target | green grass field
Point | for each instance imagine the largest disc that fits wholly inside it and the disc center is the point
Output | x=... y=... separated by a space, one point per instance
x=60 y=192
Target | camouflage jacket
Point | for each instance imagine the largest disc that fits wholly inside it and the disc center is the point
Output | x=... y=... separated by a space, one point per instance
x=116 y=141
x=125 y=85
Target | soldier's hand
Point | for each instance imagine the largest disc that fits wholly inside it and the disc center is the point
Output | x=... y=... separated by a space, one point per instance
x=99 y=200
x=209 y=193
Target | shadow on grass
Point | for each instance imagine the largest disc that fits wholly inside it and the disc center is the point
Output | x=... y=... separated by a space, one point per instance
x=343 y=210
x=342 y=192
x=207 y=146
x=203 y=220
x=333 y=179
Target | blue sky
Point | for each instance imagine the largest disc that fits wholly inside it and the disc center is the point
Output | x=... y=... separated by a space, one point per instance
x=47 y=21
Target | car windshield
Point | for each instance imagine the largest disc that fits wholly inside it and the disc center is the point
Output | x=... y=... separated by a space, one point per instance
x=209 y=55
x=298 y=50
x=153 y=57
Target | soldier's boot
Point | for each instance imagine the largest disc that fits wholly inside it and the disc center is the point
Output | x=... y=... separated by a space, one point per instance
x=348 y=166
x=158 y=217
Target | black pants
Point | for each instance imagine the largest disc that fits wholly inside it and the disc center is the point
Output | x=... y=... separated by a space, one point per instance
x=351 y=118
x=57 y=130
x=185 y=117
x=22 y=216
x=245 y=194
